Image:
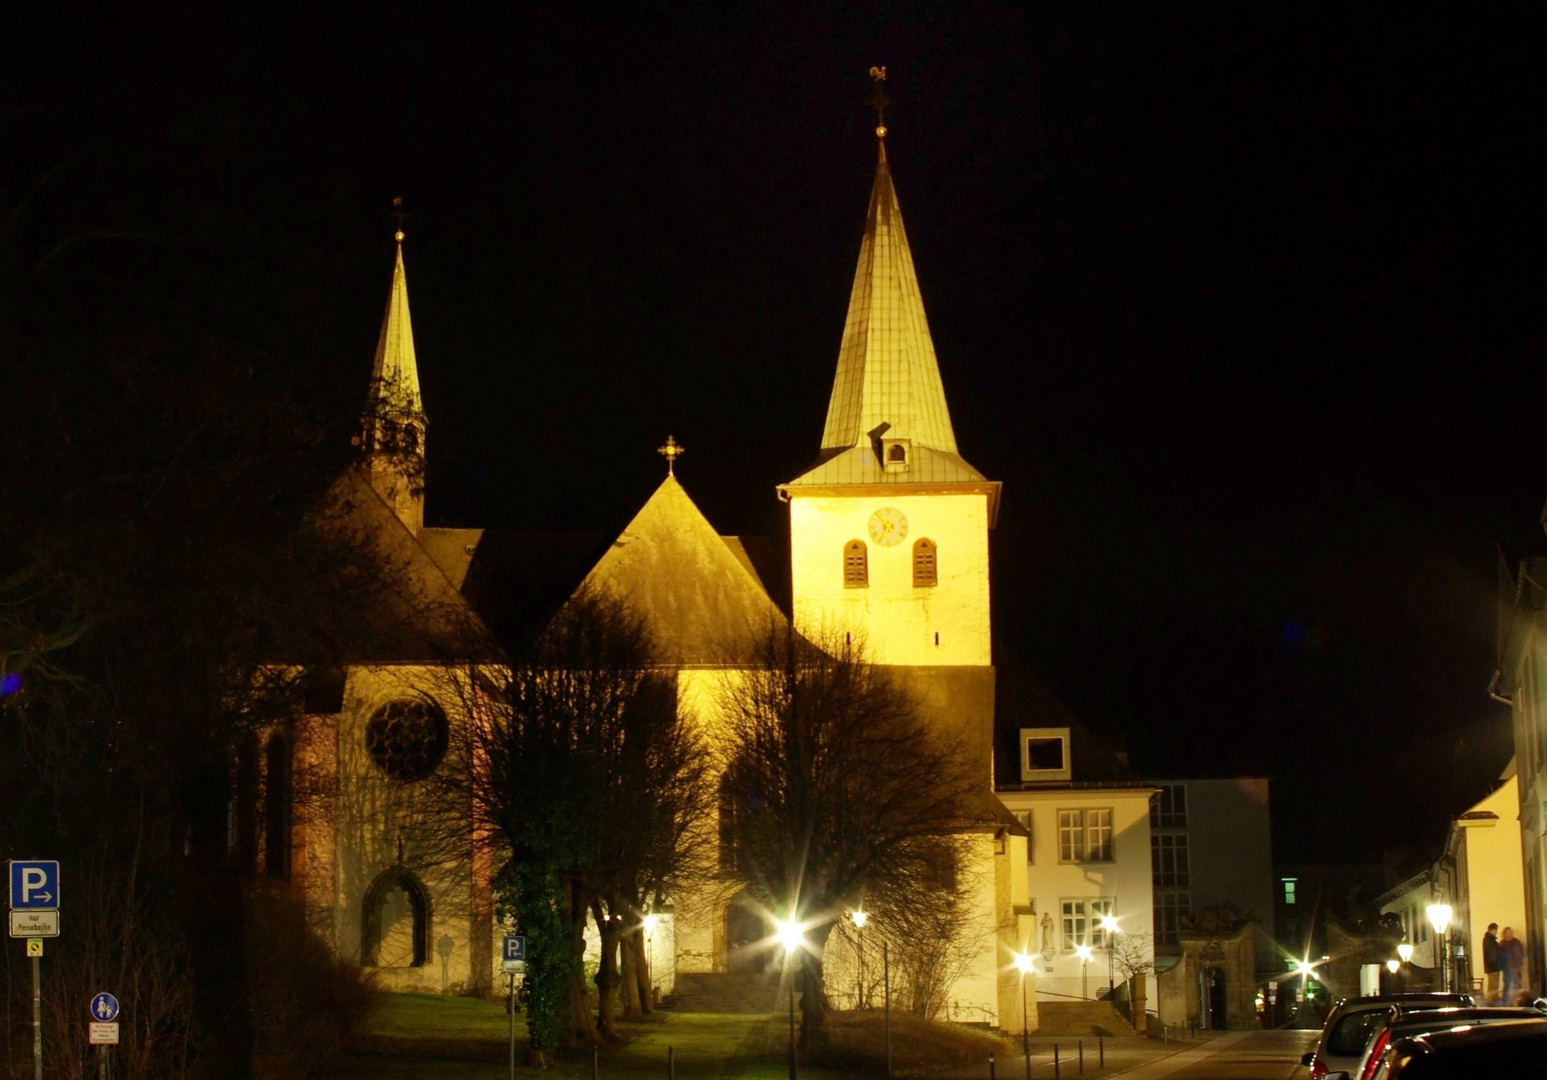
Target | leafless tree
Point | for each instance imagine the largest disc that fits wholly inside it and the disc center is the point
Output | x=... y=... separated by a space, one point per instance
x=835 y=788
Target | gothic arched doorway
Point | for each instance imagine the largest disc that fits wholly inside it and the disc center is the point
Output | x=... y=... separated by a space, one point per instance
x=395 y=921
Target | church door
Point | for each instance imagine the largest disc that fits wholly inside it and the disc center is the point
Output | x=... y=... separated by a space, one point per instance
x=746 y=937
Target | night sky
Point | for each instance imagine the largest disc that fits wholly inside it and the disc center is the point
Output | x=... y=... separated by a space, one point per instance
x=1241 y=305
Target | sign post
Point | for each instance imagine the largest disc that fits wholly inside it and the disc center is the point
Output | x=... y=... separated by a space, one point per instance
x=103 y=1032
x=34 y=897
x=513 y=963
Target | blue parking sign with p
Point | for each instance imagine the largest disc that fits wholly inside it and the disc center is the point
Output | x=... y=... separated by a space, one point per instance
x=515 y=947
x=35 y=884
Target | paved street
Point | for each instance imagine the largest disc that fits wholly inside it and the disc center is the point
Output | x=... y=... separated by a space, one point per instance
x=1253 y=1055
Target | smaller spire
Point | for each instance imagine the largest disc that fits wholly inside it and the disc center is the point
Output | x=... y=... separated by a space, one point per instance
x=671 y=452
x=879 y=99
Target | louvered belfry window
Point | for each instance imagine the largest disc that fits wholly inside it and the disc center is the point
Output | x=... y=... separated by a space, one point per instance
x=856 y=565
x=925 y=571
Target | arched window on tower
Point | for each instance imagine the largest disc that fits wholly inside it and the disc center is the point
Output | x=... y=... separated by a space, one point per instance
x=276 y=808
x=856 y=565
x=395 y=921
x=926 y=572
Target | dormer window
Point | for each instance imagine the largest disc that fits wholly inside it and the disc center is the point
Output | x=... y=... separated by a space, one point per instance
x=896 y=454
x=1044 y=754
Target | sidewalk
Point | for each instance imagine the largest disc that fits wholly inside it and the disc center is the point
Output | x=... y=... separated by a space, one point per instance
x=1061 y=1056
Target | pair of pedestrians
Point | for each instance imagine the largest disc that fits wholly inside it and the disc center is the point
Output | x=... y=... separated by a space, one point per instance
x=1504 y=958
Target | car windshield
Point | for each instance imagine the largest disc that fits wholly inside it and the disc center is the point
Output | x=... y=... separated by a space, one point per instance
x=1348 y=1036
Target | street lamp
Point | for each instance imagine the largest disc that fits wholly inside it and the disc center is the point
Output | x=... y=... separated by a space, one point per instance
x=1405 y=951
x=790 y=938
x=1023 y=965
x=1393 y=966
x=1305 y=968
x=1083 y=952
x=858 y=917
x=1439 y=918
x=1109 y=928
x=651 y=921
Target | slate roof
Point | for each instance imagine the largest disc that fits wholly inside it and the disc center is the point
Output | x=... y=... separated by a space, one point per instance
x=686 y=579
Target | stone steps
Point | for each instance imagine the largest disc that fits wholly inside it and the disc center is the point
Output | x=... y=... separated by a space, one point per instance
x=1080 y=1018
x=725 y=992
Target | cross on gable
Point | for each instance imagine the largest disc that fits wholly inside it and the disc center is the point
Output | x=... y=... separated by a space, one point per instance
x=671 y=452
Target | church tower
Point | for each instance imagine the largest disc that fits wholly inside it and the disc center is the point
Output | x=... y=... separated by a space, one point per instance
x=889 y=529
x=394 y=422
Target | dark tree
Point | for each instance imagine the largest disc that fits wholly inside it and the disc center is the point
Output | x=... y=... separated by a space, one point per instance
x=835 y=791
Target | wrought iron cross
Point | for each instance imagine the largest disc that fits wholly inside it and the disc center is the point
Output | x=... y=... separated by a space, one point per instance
x=671 y=452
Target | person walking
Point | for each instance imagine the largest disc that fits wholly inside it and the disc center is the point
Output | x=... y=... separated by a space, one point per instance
x=1493 y=974
x=1512 y=958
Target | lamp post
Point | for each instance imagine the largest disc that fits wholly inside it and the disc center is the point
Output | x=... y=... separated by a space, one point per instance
x=1109 y=928
x=1439 y=918
x=1304 y=967
x=1023 y=965
x=858 y=917
x=790 y=938
x=651 y=921
x=1083 y=952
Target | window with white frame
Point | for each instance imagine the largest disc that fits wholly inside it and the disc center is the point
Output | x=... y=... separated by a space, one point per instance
x=1085 y=836
x=1168 y=859
x=1044 y=754
x=1082 y=922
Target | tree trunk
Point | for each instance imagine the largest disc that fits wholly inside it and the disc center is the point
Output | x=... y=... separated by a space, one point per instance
x=813 y=1002
x=577 y=1024
x=638 y=999
x=609 y=928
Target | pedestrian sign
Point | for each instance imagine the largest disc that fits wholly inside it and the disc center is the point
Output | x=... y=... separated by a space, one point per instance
x=104 y=1007
x=35 y=884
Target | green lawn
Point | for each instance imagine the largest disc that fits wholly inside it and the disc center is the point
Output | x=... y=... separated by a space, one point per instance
x=413 y=1036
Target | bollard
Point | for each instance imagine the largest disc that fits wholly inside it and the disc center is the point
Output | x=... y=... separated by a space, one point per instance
x=1055 y=1061
x=1101 y=1048
x=990 y=1065
x=593 y=1063
x=1082 y=1057
x=671 y=1063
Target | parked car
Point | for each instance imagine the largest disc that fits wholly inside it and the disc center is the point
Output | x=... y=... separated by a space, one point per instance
x=1351 y=1021
x=1400 y=1023
x=1512 y=1048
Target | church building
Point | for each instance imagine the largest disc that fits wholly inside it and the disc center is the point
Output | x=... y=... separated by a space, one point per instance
x=889 y=537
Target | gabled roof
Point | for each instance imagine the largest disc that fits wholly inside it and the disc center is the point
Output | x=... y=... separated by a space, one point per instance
x=407 y=610
x=887 y=371
x=686 y=580
x=395 y=373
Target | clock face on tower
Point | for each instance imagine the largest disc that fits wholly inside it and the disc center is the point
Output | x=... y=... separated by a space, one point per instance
x=888 y=526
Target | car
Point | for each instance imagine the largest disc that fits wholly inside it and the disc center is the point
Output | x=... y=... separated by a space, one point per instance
x=1400 y=1024
x=1349 y=1024
x=1512 y=1048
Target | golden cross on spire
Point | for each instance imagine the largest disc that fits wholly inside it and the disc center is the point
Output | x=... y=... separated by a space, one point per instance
x=399 y=215
x=671 y=452
x=879 y=99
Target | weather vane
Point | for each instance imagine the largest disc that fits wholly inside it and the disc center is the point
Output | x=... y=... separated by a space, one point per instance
x=879 y=99
x=671 y=452
x=399 y=215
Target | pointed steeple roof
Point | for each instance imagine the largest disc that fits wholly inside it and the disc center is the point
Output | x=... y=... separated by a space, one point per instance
x=887 y=371
x=887 y=390
x=395 y=375
x=686 y=579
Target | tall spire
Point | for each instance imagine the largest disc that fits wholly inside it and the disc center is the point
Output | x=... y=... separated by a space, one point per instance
x=888 y=377
x=394 y=418
x=395 y=375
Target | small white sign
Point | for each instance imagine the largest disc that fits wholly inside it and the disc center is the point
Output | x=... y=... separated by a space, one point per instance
x=104 y=1034
x=513 y=967
x=34 y=924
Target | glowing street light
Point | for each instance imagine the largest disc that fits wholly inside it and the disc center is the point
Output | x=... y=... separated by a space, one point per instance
x=1405 y=951
x=1439 y=918
x=859 y=916
x=1023 y=965
x=1109 y=929
x=1393 y=966
x=790 y=936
